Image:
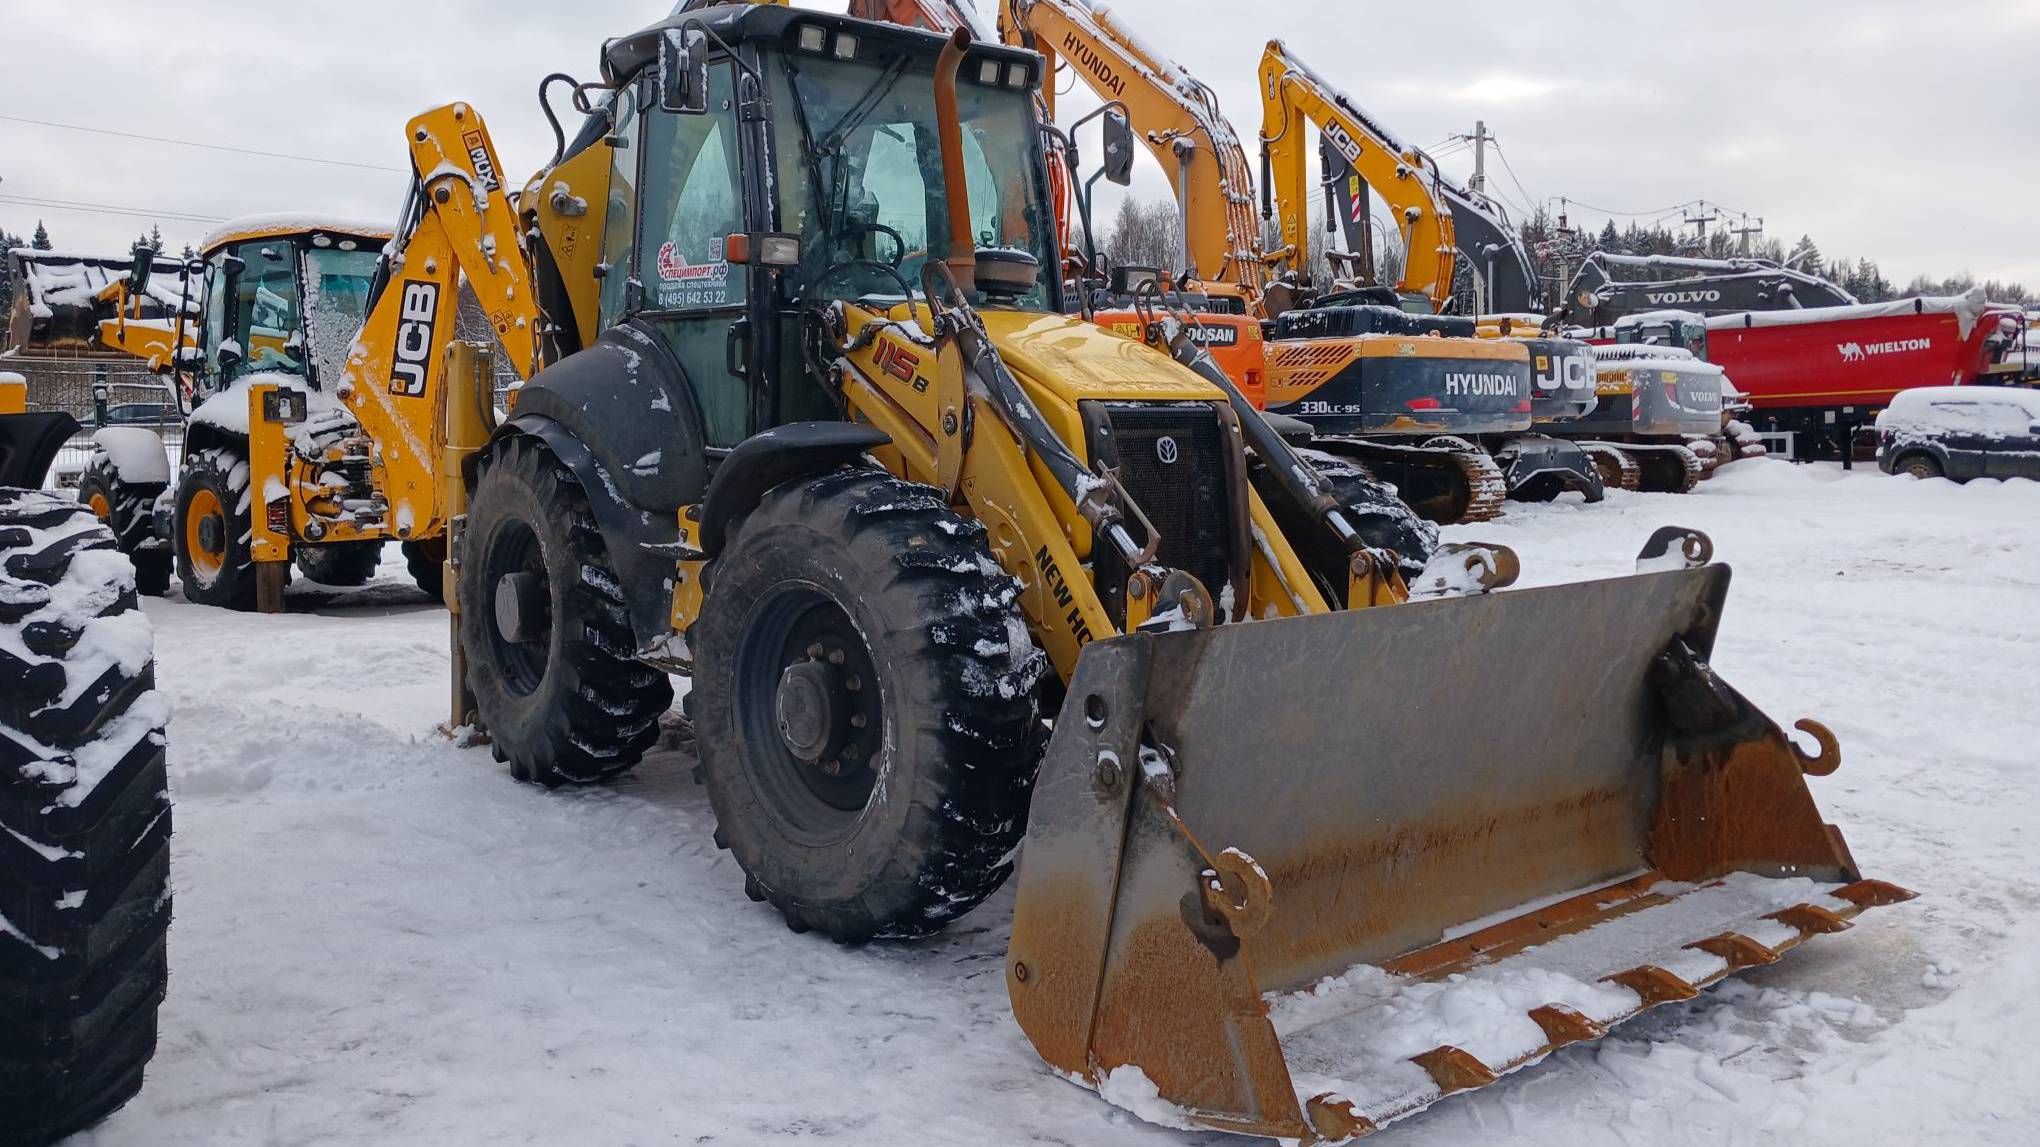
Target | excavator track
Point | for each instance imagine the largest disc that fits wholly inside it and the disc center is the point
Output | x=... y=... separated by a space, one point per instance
x=1619 y=470
x=1446 y=480
x=1652 y=467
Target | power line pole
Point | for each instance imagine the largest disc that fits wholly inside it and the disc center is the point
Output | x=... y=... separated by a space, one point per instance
x=1707 y=215
x=1480 y=139
x=1745 y=231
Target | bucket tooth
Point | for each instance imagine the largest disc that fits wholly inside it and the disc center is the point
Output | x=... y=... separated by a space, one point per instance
x=1873 y=893
x=1739 y=950
x=1563 y=1026
x=1335 y=1120
x=1810 y=919
x=1654 y=984
x=1454 y=1069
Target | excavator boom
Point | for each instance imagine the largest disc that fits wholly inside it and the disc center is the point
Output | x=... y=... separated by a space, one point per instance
x=1408 y=181
x=1176 y=116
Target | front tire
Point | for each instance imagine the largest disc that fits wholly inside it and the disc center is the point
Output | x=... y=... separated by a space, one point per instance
x=84 y=858
x=341 y=564
x=126 y=509
x=864 y=707
x=1921 y=466
x=560 y=691
x=213 y=531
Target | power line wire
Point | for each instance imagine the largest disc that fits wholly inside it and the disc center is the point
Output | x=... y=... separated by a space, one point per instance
x=207 y=146
x=109 y=209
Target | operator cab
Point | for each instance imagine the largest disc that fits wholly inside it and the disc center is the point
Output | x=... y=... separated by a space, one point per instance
x=768 y=160
x=284 y=297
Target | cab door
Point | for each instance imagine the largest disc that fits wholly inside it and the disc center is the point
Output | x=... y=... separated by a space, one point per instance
x=665 y=259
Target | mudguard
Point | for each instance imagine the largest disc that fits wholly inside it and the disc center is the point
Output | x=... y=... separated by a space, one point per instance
x=771 y=457
x=628 y=531
x=626 y=398
x=29 y=443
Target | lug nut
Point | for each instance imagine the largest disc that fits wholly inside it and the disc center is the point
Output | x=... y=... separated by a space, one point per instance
x=851 y=752
x=853 y=683
x=836 y=657
x=857 y=721
x=815 y=650
x=832 y=767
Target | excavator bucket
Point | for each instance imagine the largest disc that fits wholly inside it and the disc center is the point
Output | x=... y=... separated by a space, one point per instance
x=1303 y=877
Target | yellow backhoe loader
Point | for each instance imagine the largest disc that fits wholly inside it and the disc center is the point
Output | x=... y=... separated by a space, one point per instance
x=321 y=360
x=813 y=428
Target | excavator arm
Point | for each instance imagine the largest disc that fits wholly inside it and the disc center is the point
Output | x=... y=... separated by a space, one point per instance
x=458 y=222
x=1176 y=116
x=1292 y=97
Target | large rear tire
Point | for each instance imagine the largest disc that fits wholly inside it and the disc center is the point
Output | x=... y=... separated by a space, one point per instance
x=560 y=691
x=84 y=860
x=126 y=509
x=338 y=563
x=212 y=534
x=864 y=707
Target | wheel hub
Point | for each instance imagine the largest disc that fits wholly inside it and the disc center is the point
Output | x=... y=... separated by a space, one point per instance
x=209 y=534
x=813 y=708
x=523 y=607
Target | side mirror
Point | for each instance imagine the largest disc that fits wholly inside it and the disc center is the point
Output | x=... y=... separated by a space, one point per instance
x=1118 y=148
x=683 y=71
x=138 y=278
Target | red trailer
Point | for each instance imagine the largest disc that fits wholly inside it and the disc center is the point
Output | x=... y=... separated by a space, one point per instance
x=1821 y=372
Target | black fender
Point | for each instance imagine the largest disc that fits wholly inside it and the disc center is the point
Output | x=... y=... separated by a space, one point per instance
x=629 y=532
x=773 y=457
x=626 y=397
x=29 y=443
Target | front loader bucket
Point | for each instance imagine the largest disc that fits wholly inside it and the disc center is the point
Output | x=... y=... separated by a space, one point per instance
x=1303 y=877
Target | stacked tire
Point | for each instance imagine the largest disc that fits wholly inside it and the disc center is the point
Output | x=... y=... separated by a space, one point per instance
x=84 y=858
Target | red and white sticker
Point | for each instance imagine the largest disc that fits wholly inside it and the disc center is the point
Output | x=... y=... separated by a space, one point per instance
x=674 y=267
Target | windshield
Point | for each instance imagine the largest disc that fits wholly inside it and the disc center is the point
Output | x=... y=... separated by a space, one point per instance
x=860 y=173
x=336 y=297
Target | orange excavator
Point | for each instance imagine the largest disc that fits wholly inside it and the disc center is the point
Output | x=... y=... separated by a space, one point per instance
x=1382 y=394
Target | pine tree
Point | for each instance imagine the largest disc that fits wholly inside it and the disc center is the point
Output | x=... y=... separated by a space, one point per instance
x=41 y=239
x=1805 y=256
x=155 y=238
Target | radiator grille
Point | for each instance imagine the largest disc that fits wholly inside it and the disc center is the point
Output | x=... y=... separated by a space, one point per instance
x=1171 y=459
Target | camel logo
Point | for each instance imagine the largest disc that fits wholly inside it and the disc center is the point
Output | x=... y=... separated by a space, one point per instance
x=1858 y=352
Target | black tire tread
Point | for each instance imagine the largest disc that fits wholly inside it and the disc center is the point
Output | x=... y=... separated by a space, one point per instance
x=943 y=598
x=604 y=714
x=84 y=875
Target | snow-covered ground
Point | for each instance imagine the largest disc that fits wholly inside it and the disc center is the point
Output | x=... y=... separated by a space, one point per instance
x=381 y=939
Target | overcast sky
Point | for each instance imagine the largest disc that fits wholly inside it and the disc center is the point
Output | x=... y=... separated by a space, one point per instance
x=1895 y=129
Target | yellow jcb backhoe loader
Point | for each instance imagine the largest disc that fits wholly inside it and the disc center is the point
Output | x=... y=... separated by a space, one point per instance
x=322 y=360
x=814 y=429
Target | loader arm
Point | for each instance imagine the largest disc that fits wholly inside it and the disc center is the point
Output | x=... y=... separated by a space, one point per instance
x=1293 y=97
x=459 y=222
x=1174 y=114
